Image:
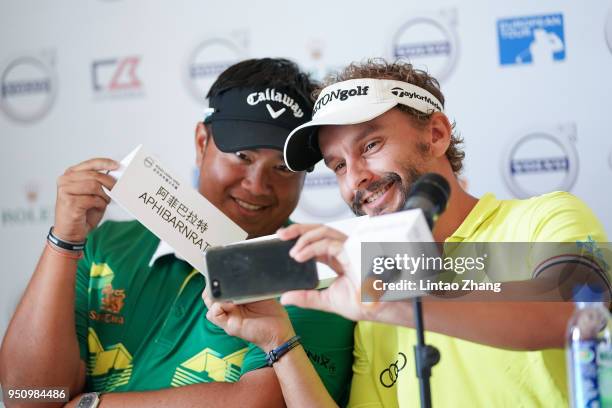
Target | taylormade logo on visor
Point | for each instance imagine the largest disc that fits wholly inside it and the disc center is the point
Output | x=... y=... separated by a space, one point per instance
x=274 y=95
x=340 y=94
x=401 y=93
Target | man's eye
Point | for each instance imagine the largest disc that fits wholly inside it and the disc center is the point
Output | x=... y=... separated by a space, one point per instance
x=339 y=167
x=282 y=168
x=370 y=146
x=242 y=156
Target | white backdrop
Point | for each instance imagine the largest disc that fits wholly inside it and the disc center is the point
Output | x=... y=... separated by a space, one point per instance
x=527 y=82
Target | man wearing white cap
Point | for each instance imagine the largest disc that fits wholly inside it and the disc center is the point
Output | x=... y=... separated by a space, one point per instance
x=379 y=126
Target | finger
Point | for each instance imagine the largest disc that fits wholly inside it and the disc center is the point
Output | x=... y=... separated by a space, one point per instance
x=87 y=177
x=308 y=299
x=85 y=188
x=207 y=301
x=217 y=315
x=97 y=164
x=294 y=231
x=227 y=307
x=314 y=235
x=325 y=250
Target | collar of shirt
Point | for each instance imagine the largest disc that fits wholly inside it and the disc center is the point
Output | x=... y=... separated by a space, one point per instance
x=485 y=207
x=163 y=249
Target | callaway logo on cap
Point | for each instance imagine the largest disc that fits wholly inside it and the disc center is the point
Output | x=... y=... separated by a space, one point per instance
x=348 y=103
x=248 y=118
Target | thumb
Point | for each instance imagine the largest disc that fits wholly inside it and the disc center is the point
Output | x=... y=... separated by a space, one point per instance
x=217 y=314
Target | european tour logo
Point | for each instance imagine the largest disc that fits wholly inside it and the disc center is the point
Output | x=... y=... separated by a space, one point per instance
x=341 y=95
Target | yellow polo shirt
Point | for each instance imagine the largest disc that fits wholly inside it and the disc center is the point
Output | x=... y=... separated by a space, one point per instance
x=470 y=374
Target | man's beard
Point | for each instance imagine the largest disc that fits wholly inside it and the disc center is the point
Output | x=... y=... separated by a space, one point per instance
x=411 y=174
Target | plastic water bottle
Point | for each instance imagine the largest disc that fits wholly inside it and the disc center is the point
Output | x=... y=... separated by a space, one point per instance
x=589 y=352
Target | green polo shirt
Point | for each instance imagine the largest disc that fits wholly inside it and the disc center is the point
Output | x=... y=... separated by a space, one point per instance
x=142 y=326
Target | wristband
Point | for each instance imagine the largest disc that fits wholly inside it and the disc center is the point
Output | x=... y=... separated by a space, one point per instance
x=274 y=355
x=63 y=253
x=66 y=245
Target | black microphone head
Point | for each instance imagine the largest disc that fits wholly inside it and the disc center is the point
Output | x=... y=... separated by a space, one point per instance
x=433 y=187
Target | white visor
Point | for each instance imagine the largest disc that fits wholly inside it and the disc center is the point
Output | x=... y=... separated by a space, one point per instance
x=351 y=102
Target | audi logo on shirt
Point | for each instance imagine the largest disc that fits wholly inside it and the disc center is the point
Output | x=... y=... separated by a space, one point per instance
x=388 y=376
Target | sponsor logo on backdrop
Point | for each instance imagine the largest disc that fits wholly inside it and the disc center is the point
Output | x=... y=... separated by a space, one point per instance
x=321 y=196
x=608 y=30
x=429 y=42
x=28 y=87
x=541 y=161
x=315 y=49
x=317 y=66
x=116 y=77
x=30 y=211
x=208 y=60
x=531 y=39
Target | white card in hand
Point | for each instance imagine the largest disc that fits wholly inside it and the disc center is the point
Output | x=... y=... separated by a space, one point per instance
x=170 y=208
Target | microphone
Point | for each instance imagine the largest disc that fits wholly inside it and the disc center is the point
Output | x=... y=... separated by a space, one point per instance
x=430 y=193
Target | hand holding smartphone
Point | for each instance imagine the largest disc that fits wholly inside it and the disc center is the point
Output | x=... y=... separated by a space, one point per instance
x=257 y=270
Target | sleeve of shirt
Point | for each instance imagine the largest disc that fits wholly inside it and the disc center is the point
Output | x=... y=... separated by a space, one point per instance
x=82 y=301
x=579 y=237
x=563 y=217
x=254 y=359
x=363 y=387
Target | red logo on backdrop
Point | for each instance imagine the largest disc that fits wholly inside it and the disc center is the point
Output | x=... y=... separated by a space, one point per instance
x=116 y=76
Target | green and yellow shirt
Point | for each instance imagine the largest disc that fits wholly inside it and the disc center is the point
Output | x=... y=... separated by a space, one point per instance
x=141 y=322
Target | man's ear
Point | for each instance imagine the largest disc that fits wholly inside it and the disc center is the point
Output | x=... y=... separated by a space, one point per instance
x=201 y=141
x=441 y=132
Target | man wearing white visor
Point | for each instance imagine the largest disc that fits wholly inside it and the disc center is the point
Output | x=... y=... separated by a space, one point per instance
x=379 y=126
x=350 y=102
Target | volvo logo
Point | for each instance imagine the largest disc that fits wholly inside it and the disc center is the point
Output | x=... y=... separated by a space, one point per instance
x=388 y=377
x=541 y=161
x=207 y=61
x=28 y=88
x=429 y=42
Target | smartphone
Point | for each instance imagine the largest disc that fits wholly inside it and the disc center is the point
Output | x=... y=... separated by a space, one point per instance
x=257 y=270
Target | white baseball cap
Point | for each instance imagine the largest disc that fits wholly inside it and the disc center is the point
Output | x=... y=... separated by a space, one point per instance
x=351 y=102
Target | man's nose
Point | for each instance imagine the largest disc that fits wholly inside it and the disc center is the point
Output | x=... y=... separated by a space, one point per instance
x=358 y=174
x=257 y=180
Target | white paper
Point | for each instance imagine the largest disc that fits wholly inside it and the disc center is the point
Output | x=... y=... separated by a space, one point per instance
x=170 y=208
x=402 y=226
